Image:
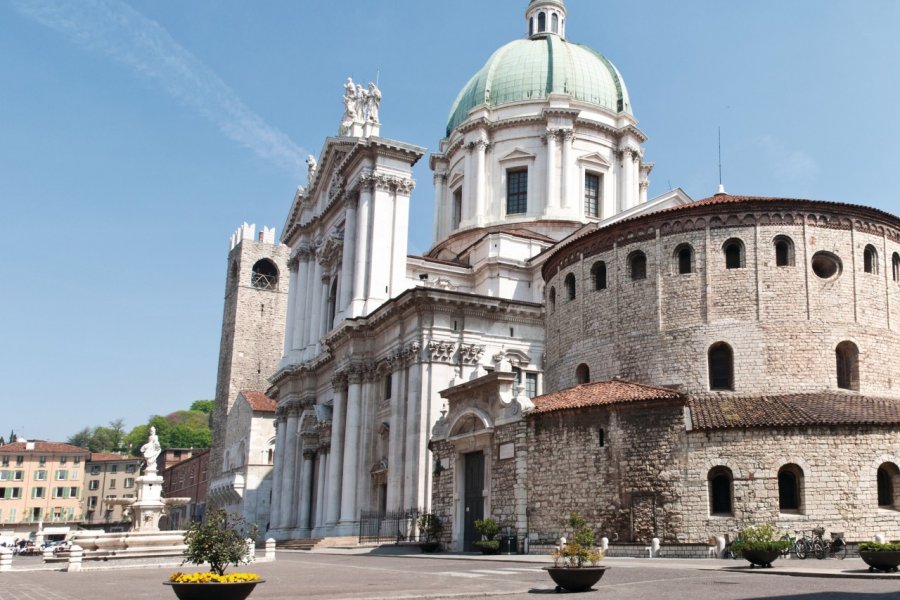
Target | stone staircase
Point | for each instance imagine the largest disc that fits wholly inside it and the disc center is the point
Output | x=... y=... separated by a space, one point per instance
x=311 y=543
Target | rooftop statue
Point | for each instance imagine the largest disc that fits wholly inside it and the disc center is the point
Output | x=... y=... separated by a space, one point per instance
x=361 y=106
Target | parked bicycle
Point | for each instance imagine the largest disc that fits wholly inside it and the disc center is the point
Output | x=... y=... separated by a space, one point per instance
x=816 y=545
x=729 y=553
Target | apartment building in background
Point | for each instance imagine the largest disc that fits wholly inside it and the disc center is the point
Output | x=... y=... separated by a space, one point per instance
x=41 y=483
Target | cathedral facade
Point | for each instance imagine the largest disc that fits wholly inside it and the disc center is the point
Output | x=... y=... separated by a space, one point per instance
x=667 y=368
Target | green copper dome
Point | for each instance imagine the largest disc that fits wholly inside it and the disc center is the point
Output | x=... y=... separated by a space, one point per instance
x=532 y=69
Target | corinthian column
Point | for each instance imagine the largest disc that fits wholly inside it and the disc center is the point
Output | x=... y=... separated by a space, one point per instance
x=395 y=451
x=351 y=448
x=567 y=188
x=551 y=189
x=414 y=442
x=299 y=310
x=348 y=258
x=363 y=219
x=306 y=488
x=275 y=510
x=336 y=454
x=289 y=474
x=440 y=178
x=480 y=180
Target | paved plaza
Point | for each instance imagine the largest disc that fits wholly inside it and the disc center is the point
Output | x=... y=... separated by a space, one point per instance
x=352 y=576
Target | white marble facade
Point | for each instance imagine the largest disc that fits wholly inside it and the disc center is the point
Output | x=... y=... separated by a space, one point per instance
x=373 y=335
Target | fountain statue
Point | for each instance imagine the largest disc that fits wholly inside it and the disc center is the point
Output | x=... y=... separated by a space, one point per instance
x=145 y=538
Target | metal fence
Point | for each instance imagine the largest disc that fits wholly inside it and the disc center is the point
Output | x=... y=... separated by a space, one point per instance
x=377 y=527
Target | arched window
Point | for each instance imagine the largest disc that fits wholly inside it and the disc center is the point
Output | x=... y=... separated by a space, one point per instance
x=551 y=300
x=582 y=374
x=598 y=274
x=847 y=358
x=554 y=23
x=895 y=261
x=570 y=286
x=531 y=27
x=684 y=259
x=790 y=488
x=721 y=367
x=637 y=265
x=542 y=22
x=332 y=303
x=264 y=275
x=888 y=474
x=784 y=251
x=870 y=260
x=734 y=254
x=720 y=491
x=270 y=456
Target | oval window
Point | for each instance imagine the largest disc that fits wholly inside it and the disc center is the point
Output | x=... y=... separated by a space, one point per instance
x=826 y=265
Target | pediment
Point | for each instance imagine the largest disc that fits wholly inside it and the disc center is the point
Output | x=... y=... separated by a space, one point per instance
x=517 y=154
x=595 y=159
x=455 y=180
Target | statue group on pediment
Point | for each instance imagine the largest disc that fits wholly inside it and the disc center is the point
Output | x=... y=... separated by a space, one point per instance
x=361 y=106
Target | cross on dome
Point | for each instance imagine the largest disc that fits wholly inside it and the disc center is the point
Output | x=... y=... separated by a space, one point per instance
x=546 y=17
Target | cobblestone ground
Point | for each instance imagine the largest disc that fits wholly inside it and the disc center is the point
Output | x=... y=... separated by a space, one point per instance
x=353 y=577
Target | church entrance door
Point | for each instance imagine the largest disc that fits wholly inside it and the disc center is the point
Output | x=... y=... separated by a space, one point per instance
x=473 y=498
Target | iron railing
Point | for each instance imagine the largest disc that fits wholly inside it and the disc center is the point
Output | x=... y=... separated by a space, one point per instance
x=379 y=527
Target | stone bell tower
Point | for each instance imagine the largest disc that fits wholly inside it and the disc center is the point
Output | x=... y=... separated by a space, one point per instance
x=256 y=298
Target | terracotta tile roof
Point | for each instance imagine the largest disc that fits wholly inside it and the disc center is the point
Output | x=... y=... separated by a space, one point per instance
x=48 y=447
x=827 y=408
x=259 y=402
x=726 y=199
x=601 y=393
x=103 y=457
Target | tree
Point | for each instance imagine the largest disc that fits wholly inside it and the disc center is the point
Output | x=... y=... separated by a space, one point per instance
x=204 y=406
x=2 y=441
x=12 y=437
x=82 y=439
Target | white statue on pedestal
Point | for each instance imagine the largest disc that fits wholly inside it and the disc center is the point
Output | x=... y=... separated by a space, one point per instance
x=361 y=109
x=151 y=450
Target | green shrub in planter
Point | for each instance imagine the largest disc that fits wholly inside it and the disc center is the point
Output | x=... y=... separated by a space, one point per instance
x=580 y=550
x=879 y=547
x=488 y=530
x=760 y=538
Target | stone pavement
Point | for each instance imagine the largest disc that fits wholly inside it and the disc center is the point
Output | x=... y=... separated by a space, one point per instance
x=390 y=574
x=851 y=567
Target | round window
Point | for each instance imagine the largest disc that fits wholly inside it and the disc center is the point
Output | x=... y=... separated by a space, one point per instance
x=826 y=265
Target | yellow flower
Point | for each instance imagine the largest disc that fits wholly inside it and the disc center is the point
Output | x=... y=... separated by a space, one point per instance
x=208 y=577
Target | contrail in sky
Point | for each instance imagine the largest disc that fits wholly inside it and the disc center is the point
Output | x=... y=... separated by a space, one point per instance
x=123 y=34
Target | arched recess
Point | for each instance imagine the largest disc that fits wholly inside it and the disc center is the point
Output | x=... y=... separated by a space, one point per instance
x=720 y=485
x=847 y=365
x=888 y=484
x=582 y=374
x=791 y=489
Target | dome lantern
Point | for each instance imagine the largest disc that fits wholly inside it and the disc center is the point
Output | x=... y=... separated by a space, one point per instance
x=546 y=17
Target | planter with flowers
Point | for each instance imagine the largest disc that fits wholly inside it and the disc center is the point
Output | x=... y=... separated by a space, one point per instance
x=759 y=546
x=575 y=564
x=881 y=556
x=219 y=541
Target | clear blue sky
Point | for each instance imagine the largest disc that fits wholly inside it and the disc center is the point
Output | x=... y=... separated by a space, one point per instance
x=136 y=136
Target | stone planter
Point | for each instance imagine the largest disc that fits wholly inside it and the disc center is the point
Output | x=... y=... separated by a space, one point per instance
x=213 y=591
x=575 y=579
x=763 y=558
x=429 y=547
x=880 y=561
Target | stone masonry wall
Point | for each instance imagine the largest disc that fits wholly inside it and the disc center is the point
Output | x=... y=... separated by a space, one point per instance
x=782 y=322
x=838 y=489
x=252 y=339
x=627 y=488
